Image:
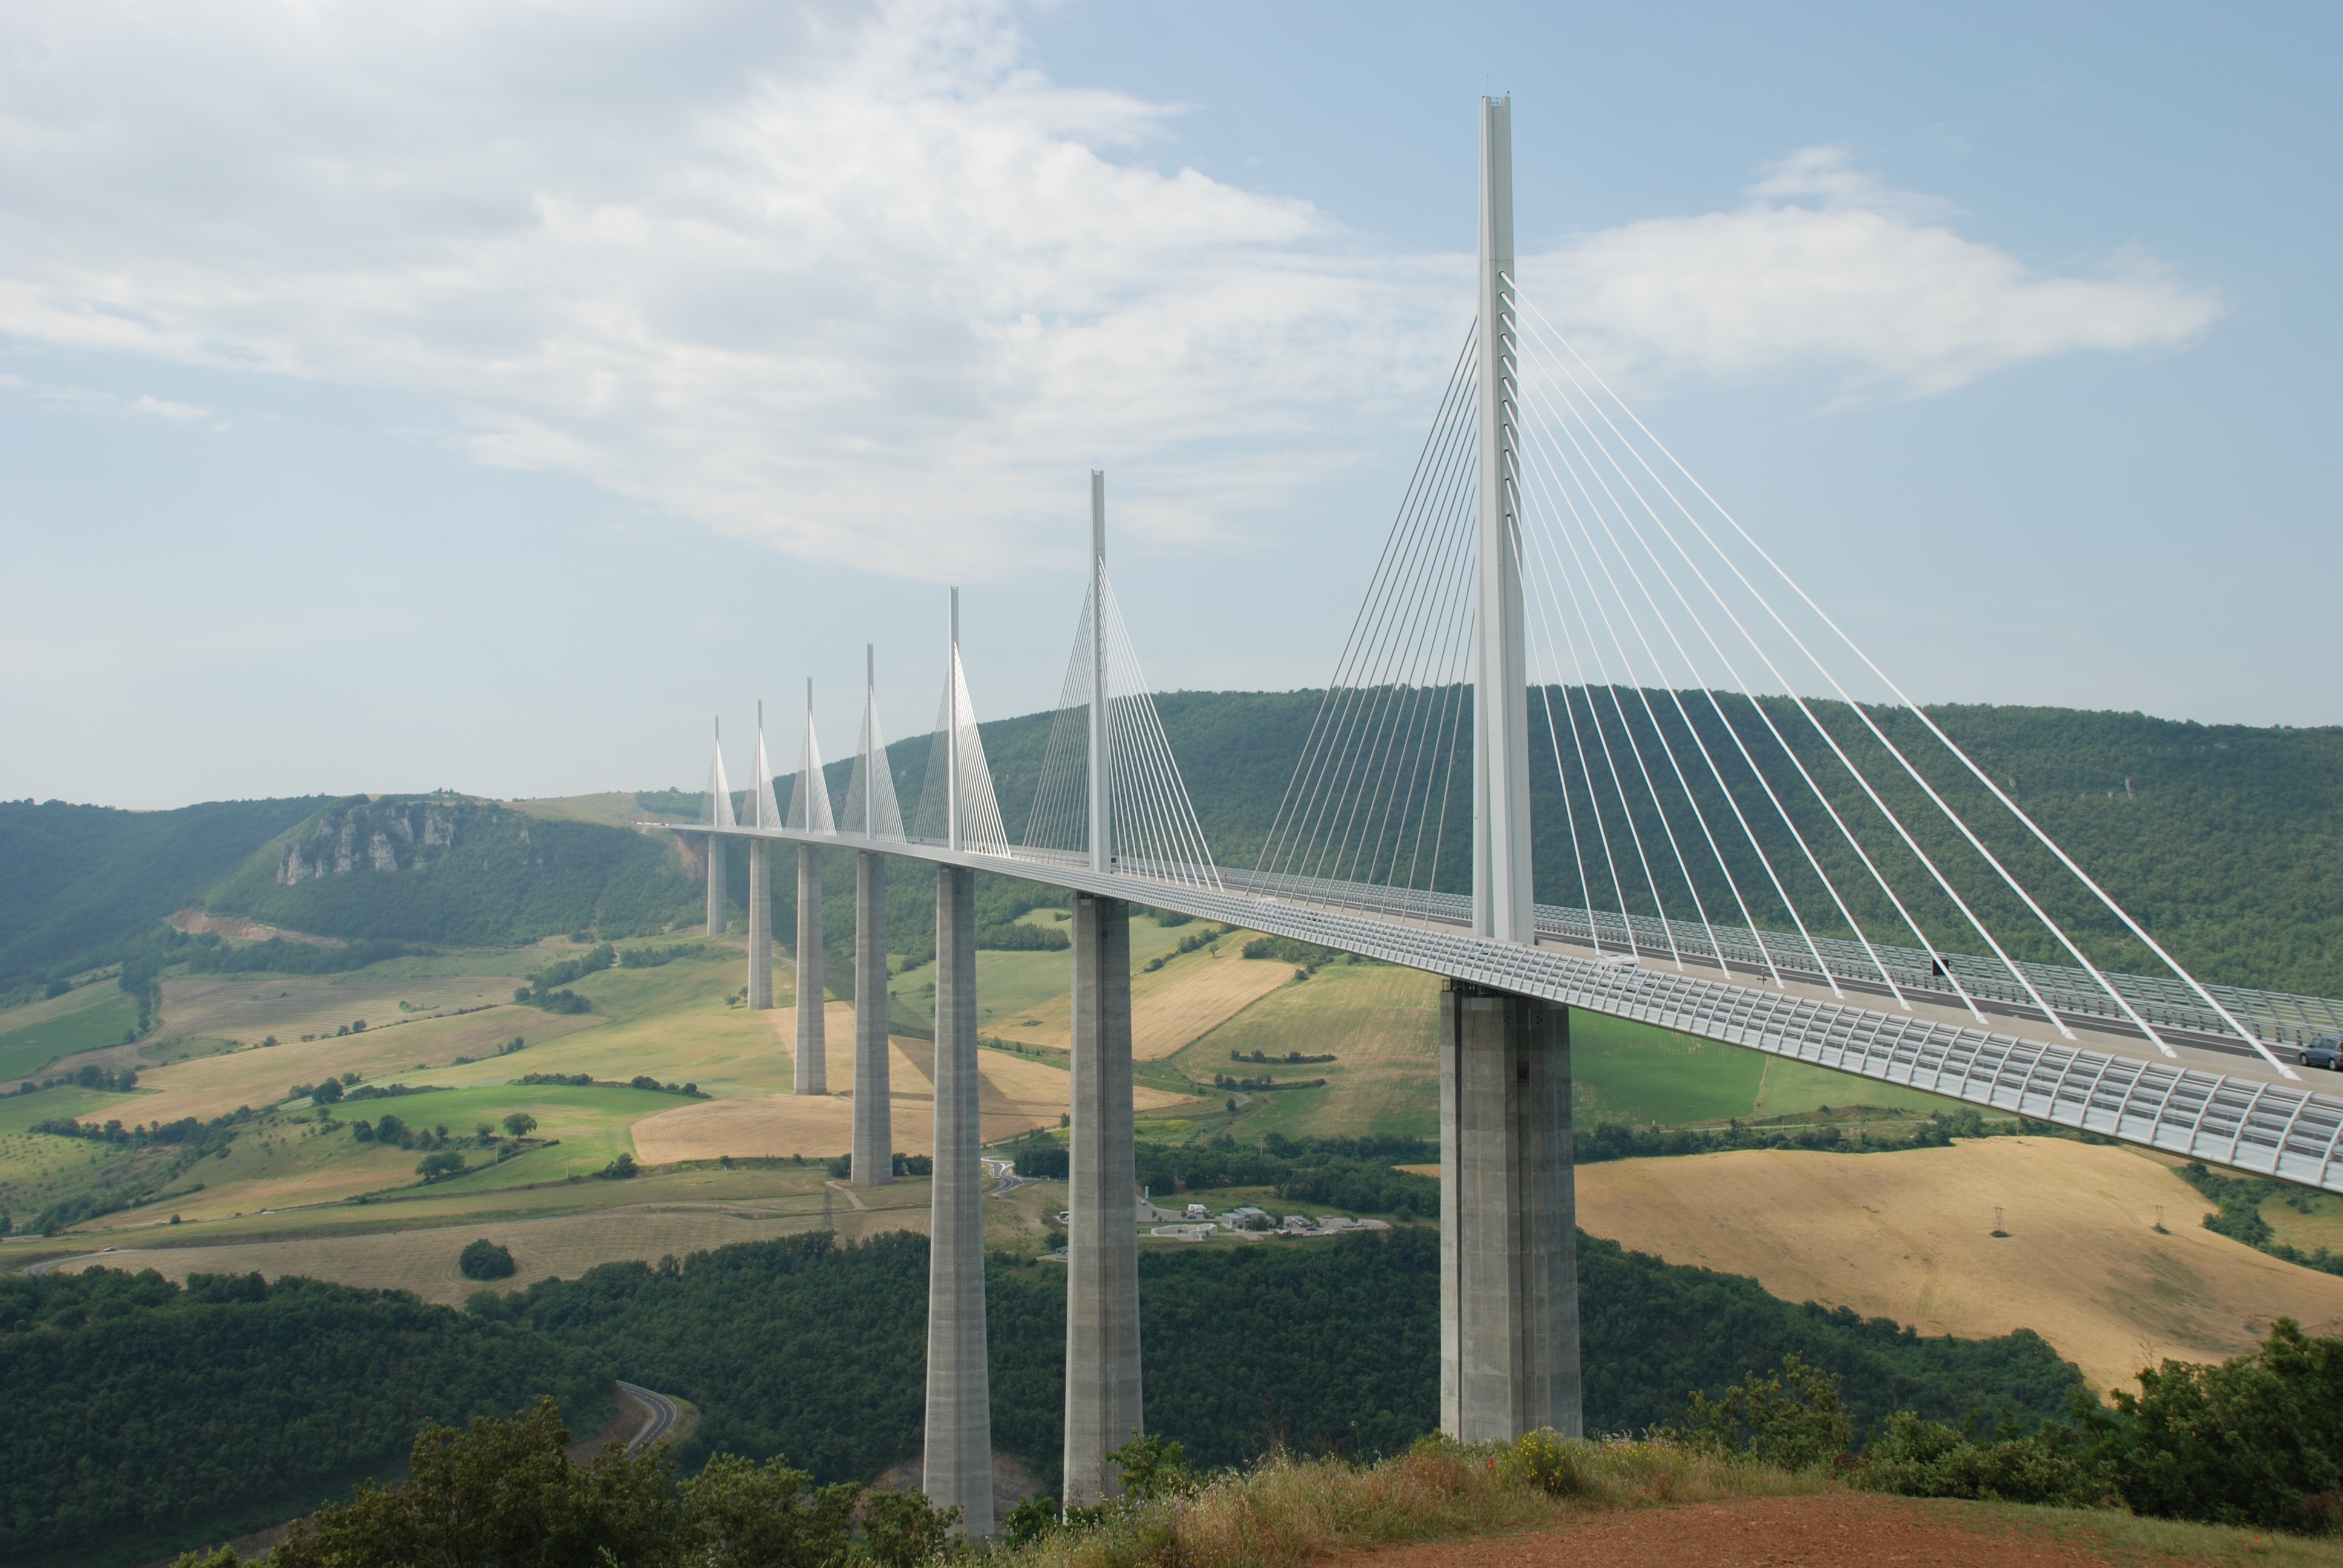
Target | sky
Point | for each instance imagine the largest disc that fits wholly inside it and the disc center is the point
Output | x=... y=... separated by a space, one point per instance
x=490 y=396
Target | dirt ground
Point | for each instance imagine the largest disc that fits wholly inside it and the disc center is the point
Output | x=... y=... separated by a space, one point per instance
x=1830 y=1530
x=1910 y=1236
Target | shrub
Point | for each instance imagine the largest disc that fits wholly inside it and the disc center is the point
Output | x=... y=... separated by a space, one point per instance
x=1544 y=1459
x=1794 y=1419
x=1916 y=1458
x=740 y=1514
x=437 y=1167
x=1016 y=937
x=1154 y=1468
x=484 y=1260
x=2255 y=1441
x=903 y=1529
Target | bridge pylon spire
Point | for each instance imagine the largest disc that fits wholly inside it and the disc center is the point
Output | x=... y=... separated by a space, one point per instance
x=1101 y=825
x=1501 y=722
x=1509 y=1358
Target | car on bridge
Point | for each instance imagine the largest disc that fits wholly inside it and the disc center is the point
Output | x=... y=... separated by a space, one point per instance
x=2325 y=1051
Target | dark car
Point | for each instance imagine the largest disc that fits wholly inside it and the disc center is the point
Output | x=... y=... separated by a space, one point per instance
x=2325 y=1051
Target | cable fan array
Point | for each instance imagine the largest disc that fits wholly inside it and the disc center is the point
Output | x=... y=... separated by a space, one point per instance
x=958 y=772
x=1689 y=804
x=1151 y=823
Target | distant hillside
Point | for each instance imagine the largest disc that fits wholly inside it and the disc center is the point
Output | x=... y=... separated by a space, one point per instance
x=435 y=868
x=2225 y=840
x=79 y=883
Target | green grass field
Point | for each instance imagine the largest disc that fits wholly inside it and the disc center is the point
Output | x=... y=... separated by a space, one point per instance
x=1009 y=985
x=441 y=1020
x=1380 y=1024
x=88 y=1019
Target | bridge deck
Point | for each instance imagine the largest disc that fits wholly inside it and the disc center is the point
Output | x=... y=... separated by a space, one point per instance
x=2266 y=1127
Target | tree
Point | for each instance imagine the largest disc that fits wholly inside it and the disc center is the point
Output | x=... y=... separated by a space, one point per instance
x=2255 y=1441
x=520 y=1124
x=904 y=1530
x=484 y=1260
x=500 y=1495
x=740 y=1515
x=446 y=1163
x=1793 y=1420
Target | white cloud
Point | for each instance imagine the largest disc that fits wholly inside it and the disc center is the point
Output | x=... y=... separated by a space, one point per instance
x=163 y=408
x=1868 y=282
x=857 y=281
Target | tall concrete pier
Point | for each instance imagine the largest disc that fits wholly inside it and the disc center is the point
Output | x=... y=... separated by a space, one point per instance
x=812 y=1068
x=959 y=1459
x=874 y=1127
x=760 y=926
x=717 y=913
x=1508 y=1218
x=1102 y=1391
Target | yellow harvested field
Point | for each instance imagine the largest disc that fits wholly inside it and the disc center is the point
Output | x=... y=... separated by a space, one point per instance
x=1179 y=1004
x=289 y=1006
x=424 y=1261
x=1013 y=1094
x=1909 y=1236
x=1197 y=995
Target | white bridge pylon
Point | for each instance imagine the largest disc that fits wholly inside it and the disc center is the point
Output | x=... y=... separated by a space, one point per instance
x=1572 y=666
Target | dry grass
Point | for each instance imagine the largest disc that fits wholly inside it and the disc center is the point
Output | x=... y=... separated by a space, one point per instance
x=1908 y=1236
x=424 y=1261
x=1286 y=1512
x=1191 y=995
x=1197 y=994
x=1013 y=1094
x=2126 y=1538
x=1380 y=1022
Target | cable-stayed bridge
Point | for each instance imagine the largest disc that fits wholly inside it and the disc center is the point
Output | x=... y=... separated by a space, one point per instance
x=1574 y=674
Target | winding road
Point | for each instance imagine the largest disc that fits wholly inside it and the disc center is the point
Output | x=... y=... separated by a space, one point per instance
x=662 y=1416
x=46 y=1264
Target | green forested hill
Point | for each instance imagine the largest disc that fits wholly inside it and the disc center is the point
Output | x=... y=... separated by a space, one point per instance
x=447 y=870
x=143 y=1417
x=2227 y=841
x=817 y=1350
x=78 y=883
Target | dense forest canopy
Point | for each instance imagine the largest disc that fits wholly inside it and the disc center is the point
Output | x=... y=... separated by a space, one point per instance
x=804 y=1347
x=142 y=1415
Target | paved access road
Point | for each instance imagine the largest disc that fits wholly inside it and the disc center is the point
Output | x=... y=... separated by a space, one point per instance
x=46 y=1264
x=662 y=1416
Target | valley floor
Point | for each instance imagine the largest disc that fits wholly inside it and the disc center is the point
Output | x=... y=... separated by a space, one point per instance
x=1906 y=1235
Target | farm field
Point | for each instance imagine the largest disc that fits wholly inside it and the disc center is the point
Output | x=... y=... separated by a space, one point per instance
x=86 y=1019
x=1023 y=996
x=678 y=1214
x=1381 y=1023
x=1013 y=1094
x=1908 y=1236
x=2308 y=1220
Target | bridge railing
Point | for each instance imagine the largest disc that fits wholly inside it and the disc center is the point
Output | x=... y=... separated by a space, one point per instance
x=2282 y=1017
